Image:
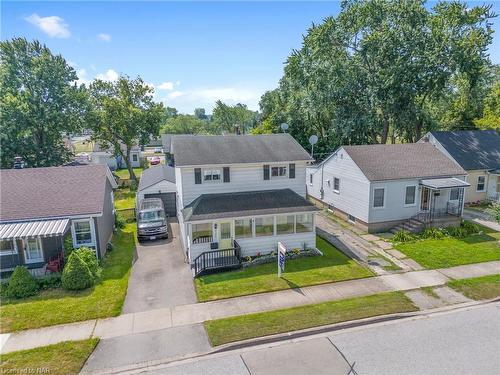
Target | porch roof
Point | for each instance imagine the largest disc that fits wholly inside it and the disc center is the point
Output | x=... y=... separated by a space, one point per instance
x=244 y=204
x=444 y=183
x=42 y=228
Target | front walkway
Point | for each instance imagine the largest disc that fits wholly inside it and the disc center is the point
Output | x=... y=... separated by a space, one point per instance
x=481 y=218
x=190 y=314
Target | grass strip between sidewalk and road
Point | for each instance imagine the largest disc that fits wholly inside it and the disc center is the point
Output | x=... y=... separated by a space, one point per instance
x=60 y=359
x=58 y=306
x=478 y=288
x=222 y=331
x=333 y=266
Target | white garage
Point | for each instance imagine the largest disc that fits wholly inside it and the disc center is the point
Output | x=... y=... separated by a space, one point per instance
x=159 y=182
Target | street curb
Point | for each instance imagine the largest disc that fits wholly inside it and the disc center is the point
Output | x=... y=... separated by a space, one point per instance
x=267 y=341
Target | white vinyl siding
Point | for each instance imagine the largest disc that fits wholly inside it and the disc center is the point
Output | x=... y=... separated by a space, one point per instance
x=244 y=177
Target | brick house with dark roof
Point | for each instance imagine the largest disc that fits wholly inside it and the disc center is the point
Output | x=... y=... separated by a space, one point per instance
x=40 y=207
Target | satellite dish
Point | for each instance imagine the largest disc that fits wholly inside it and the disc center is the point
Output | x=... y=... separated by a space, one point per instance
x=284 y=127
x=313 y=139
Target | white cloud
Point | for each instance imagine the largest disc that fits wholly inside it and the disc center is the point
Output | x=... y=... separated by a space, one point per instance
x=82 y=77
x=109 y=75
x=166 y=86
x=104 y=37
x=175 y=94
x=53 y=26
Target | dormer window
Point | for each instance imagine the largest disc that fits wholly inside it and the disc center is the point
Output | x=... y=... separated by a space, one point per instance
x=279 y=171
x=212 y=175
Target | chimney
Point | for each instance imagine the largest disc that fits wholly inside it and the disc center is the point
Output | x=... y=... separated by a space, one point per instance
x=18 y=162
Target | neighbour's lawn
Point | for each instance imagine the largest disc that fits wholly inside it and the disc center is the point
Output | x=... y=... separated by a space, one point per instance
x=123 y=173
x=59 y=306
x=477 y=288
x=332 y=266
x=451 y=251
x=59 y=359
x=124 y=198
x=244 y=327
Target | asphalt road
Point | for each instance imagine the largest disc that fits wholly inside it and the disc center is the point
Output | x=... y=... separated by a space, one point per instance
x=460 y=342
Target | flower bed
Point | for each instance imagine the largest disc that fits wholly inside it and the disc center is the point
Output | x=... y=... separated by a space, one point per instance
x=296 y=253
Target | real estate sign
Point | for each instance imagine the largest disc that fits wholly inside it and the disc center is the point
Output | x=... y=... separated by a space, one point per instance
x=281 y=258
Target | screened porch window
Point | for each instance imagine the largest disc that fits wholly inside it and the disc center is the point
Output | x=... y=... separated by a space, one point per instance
x=243 y=228
x=33 y=250
x=202 y=233
x=285 y=224
x=7 y=247
x=304 y=223
x=264 y=226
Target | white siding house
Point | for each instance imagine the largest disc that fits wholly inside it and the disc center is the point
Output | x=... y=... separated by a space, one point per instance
x=378 y=187
x=245 y=191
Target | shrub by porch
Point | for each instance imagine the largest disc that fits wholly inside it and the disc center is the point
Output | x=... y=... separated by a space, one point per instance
x=331 y=267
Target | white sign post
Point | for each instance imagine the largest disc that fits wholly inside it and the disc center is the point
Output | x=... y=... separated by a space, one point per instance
x=281 y=258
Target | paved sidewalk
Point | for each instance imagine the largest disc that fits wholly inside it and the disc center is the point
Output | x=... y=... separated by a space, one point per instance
x=186 y=315
x=481 y=218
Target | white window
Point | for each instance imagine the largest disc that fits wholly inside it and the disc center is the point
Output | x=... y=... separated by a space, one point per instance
x=83 y=233
x=311 y=178
x=285 y=224
x=410 y=193
x=33 y=250
x=481 y=183
x=211 y=175
x=336 y=185
x=202 y=233
x=304 y=223
x=264 y=226
x=454 y=194
x=278 y=171
x=8 y=247
x=378 y=197
x=134 y=157
x=351 y=218
x=243 y=228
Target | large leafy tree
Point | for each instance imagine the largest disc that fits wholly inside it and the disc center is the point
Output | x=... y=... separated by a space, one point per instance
x=40 y=102
x=374 y=72
x=184 y=124
x=233 y=119
x=123 y=115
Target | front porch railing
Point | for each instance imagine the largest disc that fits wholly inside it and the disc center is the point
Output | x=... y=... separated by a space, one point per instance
x=210 y=261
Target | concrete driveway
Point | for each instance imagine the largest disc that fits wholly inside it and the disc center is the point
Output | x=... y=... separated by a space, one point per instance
x=160 y=277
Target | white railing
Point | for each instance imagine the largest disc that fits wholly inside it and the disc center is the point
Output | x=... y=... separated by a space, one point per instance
x=494 y=197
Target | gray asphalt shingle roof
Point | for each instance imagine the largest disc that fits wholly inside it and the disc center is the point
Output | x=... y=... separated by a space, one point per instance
x=155 y=174
x=402 y=161
x=33 y=193
x=243 y=204
x=234 y=149
x=472 y=149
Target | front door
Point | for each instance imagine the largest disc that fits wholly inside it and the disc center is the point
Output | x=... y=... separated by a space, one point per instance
x=424 y=199
x=225 y=235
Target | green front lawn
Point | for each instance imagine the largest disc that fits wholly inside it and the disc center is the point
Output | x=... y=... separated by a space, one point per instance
x=124 y=198
x=58 y=306
x=59 y=359
x=451 y=251
x=332 y=266
x=477 y=288
x=222 y=331
x=123 y=173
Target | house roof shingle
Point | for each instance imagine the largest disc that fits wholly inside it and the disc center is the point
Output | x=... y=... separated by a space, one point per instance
x=35 y=193
x=243 y=204
x=402 y=161
x=155 y=174
x=472 y=149
x=234 y=149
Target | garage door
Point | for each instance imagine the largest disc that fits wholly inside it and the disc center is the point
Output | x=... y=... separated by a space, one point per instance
x=168 y=202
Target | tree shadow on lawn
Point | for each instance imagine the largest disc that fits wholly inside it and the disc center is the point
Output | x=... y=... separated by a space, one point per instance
x=478 y=238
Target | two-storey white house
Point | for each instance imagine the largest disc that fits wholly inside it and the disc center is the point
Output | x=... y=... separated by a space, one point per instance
x=242 y=191
x=378 y=187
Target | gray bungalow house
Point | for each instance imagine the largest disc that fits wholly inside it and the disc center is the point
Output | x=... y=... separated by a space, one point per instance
x=39 y=207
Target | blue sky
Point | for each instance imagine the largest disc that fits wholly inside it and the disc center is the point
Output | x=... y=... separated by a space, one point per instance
x=192 y=52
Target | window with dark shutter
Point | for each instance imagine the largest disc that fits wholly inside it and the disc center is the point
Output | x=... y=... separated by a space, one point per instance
x=197 y=175
x=226 y=174
x=266 y=172
x=291 y=170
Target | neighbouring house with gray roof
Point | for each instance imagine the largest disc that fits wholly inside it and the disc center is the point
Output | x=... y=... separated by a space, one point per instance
x=240 y=195
x=159 y=182
x=380 y=187
x=476 y=151
x=40 y=207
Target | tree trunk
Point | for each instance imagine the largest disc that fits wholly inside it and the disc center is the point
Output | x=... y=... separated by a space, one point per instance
x=385 y=131
x=126 y=159
x=418 y=129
